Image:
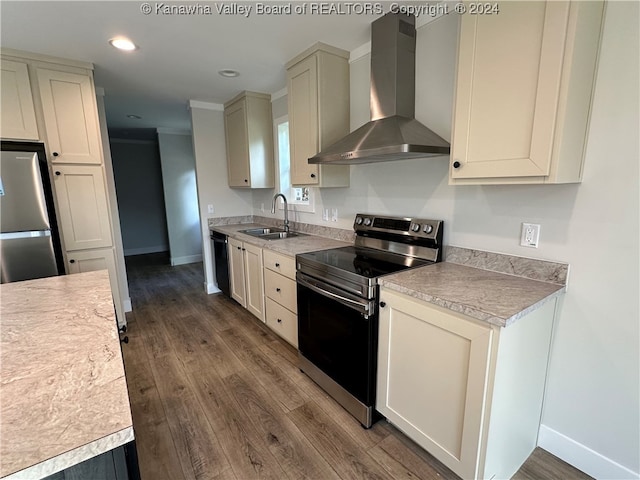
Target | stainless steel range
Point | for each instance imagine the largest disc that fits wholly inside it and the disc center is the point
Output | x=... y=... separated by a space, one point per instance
x=338 y=303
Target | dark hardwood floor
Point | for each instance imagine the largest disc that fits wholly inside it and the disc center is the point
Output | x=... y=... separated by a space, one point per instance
x=216 y=395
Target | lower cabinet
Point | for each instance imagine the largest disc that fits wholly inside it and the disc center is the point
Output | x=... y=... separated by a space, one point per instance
x=468 y=392
x=245 y=271
x=98 y=259
x=280 y=290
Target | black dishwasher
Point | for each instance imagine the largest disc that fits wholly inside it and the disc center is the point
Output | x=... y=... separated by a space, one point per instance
x=220 y=260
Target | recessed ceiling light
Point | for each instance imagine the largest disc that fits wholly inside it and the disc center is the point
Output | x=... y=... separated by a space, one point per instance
x=229 y=73
x=122 y=43
x=134 y=117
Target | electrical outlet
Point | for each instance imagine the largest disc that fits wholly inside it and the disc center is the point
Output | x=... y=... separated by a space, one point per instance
x=334 y=214
x=325 y=214
x=210 y=208
x=530 y=235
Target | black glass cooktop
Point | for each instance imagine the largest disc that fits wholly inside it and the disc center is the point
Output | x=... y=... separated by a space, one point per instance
x=366 y=262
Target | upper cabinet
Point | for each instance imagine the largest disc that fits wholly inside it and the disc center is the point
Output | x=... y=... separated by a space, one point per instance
x=18 y=114
x=318 y=95
x=249 y=138
x=523 y=94
x=70 y=117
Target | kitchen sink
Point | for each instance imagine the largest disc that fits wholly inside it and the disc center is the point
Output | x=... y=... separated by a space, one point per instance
x=259 y=232
x=279 y=235
x=270 y=233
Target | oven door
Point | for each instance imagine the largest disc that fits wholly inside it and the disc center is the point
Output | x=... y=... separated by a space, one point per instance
x=338 y=333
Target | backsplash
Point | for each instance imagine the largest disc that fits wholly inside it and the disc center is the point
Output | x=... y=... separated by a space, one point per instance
x=531 y=268
x=319 y=230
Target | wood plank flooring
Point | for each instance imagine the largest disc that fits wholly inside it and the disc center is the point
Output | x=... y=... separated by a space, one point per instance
x=216 y=395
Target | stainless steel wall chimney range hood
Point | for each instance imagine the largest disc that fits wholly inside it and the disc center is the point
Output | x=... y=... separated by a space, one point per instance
x=393 y=133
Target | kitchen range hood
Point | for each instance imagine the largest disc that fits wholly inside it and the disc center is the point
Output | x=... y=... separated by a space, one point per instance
x=393 y=133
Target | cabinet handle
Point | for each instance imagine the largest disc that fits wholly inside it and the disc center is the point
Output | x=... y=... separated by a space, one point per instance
x=57 y=173
x=277 y=265
x=55 y=154
x=279 y=320
x=313 y=175
x=456 y=164
x=277 y=289
x=72 y=261
x=383 y=304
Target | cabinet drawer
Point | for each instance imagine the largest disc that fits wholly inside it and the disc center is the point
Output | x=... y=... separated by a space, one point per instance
x=283 y=322
x=281 y=289
x=280 y=263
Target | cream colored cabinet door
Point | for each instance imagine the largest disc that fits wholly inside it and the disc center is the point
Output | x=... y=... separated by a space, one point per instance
x=96 y=259
x=318 y=99
x=235 y=128
x=99 y=259
x=83 y=211
x=70 y=117
x=254 y=281
x=523 y=92
x=302 y=89
x=18 y=119
x=236 y=271
x=432 y=375
x=248 y=130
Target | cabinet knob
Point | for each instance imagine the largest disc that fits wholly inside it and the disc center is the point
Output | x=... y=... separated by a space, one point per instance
x=239 y=248
x=383 y=304
x=313 y=175
x=55 y=154
x=72 y=261
x=277 y=289
x=277 y=265
x=246 y=181
x=57 y=173
x=243 y=249
x=456 y=164
x=279 y=320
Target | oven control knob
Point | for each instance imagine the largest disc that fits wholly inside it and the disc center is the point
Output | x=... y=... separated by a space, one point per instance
x=367 y=222
x=415 y=227
x=428 y=229
x=358 y=220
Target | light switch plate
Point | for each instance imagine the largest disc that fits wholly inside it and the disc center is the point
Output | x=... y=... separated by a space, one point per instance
x=210 y=208
x=325 y=214
x=334 y=214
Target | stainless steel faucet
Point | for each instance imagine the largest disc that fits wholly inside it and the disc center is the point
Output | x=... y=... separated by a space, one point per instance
x=286 y=212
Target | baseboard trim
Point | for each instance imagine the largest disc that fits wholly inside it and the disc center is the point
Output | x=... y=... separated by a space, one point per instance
x=184 y=260
x=144 y=250
x=583 y=458
x=211 y=288
x=126 y=304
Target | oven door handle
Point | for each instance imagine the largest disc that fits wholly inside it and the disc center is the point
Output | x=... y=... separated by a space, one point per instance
x=365 y=307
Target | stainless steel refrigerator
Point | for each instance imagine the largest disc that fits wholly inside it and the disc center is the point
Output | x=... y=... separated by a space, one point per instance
x=29 y=242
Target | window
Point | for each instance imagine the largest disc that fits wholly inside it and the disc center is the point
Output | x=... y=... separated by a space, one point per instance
x=301 y=197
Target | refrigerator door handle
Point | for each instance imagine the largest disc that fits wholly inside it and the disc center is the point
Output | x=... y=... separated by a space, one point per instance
x=31 y=234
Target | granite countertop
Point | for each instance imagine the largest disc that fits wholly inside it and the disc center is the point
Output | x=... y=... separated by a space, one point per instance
x=63 y=389
x=488 y=296
x=286 y=246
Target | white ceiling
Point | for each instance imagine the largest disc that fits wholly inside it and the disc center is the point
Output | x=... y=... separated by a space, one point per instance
x=179 y=55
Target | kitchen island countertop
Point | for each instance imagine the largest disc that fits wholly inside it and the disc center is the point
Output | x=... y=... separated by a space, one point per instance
x=63 y=392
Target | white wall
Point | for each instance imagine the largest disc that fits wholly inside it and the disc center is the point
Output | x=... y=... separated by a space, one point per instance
x=592 y=400
x=207 y=125
x=180 y=196
x=138 y=181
